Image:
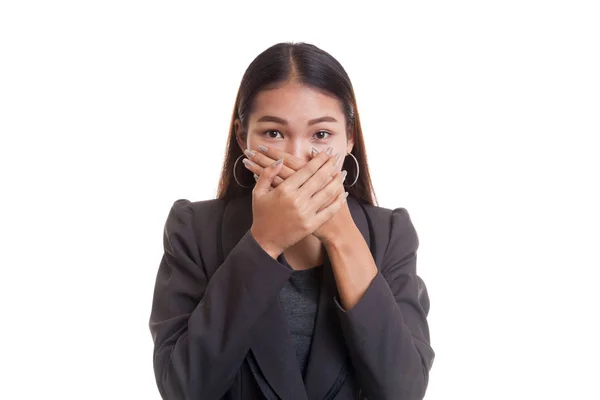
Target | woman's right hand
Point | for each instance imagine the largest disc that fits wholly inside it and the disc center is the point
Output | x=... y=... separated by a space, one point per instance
x=285 y=215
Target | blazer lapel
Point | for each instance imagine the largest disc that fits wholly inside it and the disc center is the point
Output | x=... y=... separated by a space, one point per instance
x=271 y=343
x=328 y=352
x=274 y=352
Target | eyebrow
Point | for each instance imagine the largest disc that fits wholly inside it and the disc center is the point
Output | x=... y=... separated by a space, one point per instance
x=270 y=118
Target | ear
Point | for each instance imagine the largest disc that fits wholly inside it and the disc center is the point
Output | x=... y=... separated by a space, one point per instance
x=240 y=135
x=349 y=141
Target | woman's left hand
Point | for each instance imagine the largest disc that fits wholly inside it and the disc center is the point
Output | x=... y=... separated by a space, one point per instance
x=336 y=225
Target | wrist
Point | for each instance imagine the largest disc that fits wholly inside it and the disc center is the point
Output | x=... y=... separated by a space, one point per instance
x=339 y=240
x=269 y=248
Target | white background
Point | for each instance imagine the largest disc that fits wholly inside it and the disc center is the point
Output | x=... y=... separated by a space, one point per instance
x=480 y=117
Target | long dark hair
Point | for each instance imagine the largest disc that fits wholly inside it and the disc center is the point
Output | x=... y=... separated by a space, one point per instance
x=311 y=66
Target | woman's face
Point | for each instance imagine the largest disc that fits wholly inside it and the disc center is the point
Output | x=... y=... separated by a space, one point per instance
x=295 y=118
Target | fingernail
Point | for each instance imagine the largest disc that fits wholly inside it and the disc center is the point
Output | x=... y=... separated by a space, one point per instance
x=346 y=194
x=249 y=153
x=247 y=162
x=276 y=163
x=262 y=148
x=314 y=152
x=330 y=150
x=344 y=173
x=256 y=177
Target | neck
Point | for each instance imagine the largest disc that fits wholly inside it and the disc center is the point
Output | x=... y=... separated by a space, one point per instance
x=307 y=253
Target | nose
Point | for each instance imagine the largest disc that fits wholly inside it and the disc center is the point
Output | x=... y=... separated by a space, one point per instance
x=299 y=148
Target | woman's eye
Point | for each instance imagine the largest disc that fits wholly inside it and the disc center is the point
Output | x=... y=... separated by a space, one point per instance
x=270 y=134
x=322 y=135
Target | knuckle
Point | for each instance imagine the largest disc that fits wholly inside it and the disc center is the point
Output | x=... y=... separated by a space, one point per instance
x=288 y=198
x=296 y=203
x=284 y=195
x=305 y=225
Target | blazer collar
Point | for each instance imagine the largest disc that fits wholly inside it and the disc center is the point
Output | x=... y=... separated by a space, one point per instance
x=271 y=343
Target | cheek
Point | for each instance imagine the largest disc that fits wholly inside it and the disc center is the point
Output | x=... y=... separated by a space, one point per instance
x=254 y=140
x=339 y=144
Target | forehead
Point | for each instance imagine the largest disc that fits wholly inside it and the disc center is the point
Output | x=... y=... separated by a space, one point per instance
x=296 y=101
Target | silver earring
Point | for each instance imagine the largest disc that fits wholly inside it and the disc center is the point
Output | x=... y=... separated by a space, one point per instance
x=357 y=170
x=234 y=175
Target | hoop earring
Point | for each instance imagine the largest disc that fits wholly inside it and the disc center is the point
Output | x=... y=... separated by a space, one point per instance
x=357 y=170
x=234 y=175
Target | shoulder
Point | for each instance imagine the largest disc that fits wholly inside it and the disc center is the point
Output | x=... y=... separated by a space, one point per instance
x=190 y=226
x=395 y=227
x=185 y=213
x=185 y=207
x=396 y=219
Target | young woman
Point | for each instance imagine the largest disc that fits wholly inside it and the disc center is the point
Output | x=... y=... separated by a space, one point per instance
x=291 y=284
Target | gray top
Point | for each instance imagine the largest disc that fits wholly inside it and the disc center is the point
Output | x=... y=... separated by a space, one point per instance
x=299 y=297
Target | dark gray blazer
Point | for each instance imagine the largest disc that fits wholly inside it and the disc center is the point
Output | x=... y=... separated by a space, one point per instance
x=219 y=329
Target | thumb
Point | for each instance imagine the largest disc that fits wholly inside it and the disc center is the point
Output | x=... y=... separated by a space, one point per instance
x=263 y=185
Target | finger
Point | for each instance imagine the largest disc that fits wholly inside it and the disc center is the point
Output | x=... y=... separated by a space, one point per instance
x=257 y=170
x=329 y=211
x=329 y=193
x=263 y=185
x=264 y=161
x=290 y=161
x=256 y=178
x=299 y=178
x=320 y=179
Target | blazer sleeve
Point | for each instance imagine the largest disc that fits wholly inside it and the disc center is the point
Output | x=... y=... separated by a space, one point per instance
x=386 y=331
x=199 y=325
